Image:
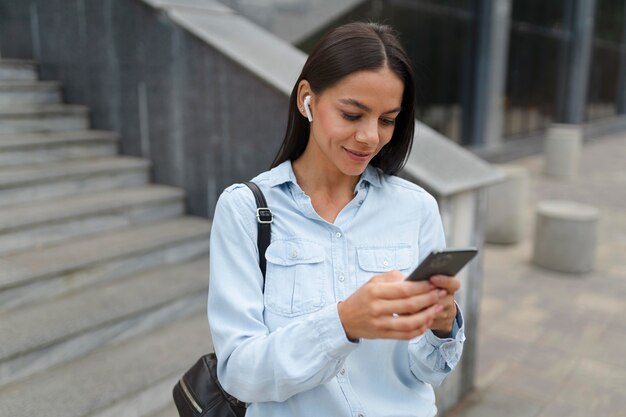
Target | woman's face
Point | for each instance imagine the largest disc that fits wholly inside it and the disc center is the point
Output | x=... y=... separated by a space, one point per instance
x=354 y=119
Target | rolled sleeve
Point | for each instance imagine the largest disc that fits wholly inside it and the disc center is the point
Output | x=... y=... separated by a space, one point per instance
x=331 y=332
x=433 y=358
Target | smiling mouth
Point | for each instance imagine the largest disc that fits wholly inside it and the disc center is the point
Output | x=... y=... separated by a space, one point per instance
x=358 y=154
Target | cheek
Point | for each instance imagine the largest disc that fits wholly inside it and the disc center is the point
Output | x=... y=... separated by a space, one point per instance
x=333 y=127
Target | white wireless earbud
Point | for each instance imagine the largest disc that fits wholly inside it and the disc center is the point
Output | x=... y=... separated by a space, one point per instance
x=307 y=109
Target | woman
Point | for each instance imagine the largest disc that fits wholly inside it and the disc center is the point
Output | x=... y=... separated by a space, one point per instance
x=337 y=331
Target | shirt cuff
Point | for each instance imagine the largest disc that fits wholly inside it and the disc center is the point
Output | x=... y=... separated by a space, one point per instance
x=449 y=348
x=331 y=332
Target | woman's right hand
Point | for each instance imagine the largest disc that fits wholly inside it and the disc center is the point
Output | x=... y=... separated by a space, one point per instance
x=388 y=307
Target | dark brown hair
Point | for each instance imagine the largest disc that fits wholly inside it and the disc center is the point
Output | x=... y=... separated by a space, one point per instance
x=347 y=49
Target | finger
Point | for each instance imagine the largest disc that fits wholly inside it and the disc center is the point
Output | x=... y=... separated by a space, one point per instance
x=447 y=303
x=414 y=304
x=451 y=284
x=391 y=276
x=399 y=290
x=449 y=310
x=410 y=323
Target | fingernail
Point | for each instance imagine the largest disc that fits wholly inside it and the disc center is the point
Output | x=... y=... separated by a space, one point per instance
x=442 y=293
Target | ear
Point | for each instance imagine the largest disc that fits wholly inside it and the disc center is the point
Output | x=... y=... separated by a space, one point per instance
x=304 y=89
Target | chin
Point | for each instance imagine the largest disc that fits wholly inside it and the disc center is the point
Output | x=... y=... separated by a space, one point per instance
x=354 y=170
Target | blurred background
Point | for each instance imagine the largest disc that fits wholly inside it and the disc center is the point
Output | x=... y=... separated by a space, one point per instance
x=450 y=43
x=121 y=121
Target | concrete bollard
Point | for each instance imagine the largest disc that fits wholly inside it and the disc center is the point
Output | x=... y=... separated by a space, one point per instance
x=506 y=206
x=562 y=150
x=565 y=236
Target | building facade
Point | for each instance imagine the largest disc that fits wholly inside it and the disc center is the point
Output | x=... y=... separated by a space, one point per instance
x=491 y=73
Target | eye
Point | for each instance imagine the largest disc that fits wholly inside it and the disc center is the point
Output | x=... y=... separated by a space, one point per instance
x=388 y=122
x=350 y=117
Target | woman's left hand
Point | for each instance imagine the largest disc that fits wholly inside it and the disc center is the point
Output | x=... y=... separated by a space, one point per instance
x=444 y=320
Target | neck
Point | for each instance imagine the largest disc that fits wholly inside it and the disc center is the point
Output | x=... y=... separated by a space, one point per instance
x=315 y=177
x=329 y=189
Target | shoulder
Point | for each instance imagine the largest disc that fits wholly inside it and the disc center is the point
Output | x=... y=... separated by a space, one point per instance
x=394 y=182
x=236 y=196
x=407 y=191
x=240 y=195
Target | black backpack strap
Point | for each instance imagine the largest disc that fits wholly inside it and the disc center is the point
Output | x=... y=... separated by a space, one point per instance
x=264 y=220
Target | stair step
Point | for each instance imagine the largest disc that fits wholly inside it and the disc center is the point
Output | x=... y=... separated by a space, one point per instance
x=29 y=92
x=29 y=148
x=32 y=276
x=132 y=378
x=43 y=118
x=41 y=181
x=68 y=327
x=27 y=225
x=15 y=69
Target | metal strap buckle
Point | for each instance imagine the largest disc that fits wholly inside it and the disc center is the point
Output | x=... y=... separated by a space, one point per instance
x=264 y=215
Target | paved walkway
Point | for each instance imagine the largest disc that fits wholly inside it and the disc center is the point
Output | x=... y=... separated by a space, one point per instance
x=551 y=344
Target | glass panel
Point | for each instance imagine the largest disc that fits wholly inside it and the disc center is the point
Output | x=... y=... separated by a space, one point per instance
x=602 y=90
x=456 y=4
x=609 y=23
x=537 y=48
x=604 y=72
x=544 y=13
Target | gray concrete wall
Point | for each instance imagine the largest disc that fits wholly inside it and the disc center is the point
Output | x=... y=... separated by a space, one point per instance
x=292 y=20
x=195 y=113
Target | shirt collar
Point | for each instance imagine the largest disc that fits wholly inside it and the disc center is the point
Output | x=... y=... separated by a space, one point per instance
x=281 y=174
x=284 y=173
x=372 y=175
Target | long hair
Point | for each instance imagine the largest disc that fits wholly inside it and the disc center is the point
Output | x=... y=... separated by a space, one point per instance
x=347 y=49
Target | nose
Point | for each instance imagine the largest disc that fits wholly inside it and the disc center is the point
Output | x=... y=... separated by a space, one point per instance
x=368 y=133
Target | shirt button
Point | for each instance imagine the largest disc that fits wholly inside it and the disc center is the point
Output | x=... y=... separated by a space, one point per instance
x=294 y=254
x=343 y=371
x=386 y=262
x=341 y=278
x=338 y=235
x=361 y=415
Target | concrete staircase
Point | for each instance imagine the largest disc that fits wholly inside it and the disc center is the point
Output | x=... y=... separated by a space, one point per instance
x=103 y=278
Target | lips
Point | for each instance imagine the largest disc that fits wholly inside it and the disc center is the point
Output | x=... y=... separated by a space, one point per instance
x=357 y=156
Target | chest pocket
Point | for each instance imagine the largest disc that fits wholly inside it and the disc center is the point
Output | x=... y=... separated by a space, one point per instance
x=377 y=260
x=295 y=278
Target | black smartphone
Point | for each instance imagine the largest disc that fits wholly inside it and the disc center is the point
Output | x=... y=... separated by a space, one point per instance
x=442 y=262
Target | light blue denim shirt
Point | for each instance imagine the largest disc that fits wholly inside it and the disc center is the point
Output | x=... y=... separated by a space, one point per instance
x=285 y=351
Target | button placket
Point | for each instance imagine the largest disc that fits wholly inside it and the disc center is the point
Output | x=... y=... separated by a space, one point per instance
x=350 y=395
x=339 y=254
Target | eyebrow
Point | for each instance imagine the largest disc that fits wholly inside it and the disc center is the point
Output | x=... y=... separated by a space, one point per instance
x=363 y=107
